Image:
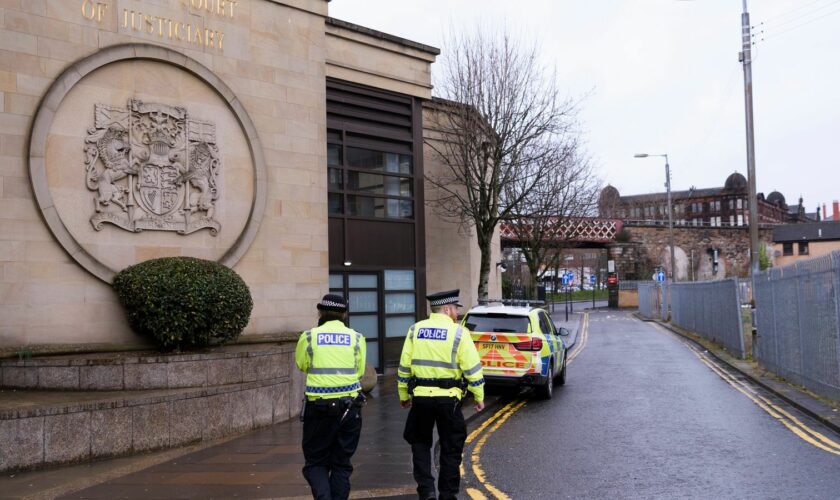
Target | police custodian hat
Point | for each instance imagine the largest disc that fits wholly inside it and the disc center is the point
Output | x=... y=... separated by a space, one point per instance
x=444 y=298
x=332 y=302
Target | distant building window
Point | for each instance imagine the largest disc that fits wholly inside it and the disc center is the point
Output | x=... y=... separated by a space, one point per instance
x=740 y=219
x=731 y=220
x=787 y=248
x=714 y=206
x=739 y=203
x=803 y=248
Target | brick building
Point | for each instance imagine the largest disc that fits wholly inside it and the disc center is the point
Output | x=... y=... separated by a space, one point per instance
x=725 y=206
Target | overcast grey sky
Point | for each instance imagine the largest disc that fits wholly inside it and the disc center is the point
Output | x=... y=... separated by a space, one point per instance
x=663 y=77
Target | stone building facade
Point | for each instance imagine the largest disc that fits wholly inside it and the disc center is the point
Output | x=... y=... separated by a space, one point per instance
x=137 y=129
x=701 y=253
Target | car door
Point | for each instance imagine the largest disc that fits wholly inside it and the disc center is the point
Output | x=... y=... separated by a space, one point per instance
x=558 y=338
x=547 y=328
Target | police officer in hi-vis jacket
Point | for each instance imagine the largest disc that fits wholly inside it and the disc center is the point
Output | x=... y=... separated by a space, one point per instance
x=333 y=358
x=439 y=361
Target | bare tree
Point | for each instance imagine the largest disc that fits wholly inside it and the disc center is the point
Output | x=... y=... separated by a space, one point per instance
x=500 y=118
x=551 y=213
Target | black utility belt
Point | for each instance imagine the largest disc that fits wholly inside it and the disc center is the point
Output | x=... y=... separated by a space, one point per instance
x=328 y=402
x=442 y=383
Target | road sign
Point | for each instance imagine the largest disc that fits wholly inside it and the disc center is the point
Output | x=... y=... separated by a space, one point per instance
x=660 y=276
x=592 y=279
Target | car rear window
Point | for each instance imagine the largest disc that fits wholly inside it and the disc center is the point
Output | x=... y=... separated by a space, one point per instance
x=497 y=323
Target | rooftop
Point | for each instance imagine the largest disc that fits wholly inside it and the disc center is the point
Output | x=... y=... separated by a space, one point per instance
x=383 y=36
x=812 y=231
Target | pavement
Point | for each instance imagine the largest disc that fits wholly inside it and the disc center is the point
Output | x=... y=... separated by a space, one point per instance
x=261 y=464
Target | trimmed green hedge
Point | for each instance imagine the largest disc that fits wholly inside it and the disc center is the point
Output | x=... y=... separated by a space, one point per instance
x=183 y=302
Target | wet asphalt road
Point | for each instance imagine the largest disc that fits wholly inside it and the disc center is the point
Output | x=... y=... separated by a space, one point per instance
x=642 y=417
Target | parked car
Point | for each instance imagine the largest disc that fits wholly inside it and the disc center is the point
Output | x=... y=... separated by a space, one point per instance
x=519 y=345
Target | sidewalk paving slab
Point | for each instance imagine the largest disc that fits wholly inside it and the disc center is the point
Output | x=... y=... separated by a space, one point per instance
x=265 y=463
x=822 y=410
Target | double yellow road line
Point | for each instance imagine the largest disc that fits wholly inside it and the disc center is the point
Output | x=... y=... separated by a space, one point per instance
x=584 y=338
x=492 y=424
x=790 y=421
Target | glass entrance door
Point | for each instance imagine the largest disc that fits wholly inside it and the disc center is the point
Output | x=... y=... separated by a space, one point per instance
x=363 y=295
x=382 y=306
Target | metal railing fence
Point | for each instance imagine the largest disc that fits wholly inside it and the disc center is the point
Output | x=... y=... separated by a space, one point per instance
x=710 y=309
x=744 y=290
x=653 y=300
x=649 y=300
x=798 y=323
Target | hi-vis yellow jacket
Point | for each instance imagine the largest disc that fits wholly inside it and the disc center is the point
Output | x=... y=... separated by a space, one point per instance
x=439 y=348
x=333 y=358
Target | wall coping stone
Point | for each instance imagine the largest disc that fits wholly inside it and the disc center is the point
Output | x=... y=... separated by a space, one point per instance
x=123 y=423
x=128 y=399
x=147 y=370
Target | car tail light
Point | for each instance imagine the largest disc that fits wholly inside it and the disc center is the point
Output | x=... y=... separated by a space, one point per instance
x=535 y=344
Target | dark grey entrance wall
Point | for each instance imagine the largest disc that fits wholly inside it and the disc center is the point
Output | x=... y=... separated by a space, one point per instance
x=52 y=101
x=370 y=119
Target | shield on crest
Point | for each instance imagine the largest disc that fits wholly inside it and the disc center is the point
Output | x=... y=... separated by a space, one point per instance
x=159 y=191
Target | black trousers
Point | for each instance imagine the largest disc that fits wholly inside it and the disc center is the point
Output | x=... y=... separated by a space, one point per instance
x=425 y=413
x=328 y=444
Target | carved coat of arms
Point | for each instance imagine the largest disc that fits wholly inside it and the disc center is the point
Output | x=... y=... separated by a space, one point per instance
x=152 y=167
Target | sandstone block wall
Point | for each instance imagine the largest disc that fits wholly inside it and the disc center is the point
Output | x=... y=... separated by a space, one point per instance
x=452 y=252
x=273 y=58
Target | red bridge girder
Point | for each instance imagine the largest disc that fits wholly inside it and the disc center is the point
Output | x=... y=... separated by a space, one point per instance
x=581 y=230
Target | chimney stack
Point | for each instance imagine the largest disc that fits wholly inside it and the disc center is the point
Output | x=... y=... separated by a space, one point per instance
x=825 y=212
x=835 y=209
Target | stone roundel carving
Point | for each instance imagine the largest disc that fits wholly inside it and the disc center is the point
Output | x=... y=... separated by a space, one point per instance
x=148 y=165
x=152 y=168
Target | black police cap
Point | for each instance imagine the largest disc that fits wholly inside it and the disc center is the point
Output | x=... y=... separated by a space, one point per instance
x=444 y=298
x=332 y=302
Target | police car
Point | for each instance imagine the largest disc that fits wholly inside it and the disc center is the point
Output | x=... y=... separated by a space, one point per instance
x=519 y=345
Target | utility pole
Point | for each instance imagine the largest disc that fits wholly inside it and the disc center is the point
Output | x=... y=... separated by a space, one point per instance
x=670 y=220
x=746 y=60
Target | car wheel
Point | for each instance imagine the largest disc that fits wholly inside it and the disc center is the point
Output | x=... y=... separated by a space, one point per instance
x=546 y=391
x=561 y=379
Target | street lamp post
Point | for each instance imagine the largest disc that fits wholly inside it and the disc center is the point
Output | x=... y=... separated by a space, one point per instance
x=670 y=212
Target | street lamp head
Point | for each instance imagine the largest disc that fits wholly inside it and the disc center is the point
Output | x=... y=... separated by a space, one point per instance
x=640 y=155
